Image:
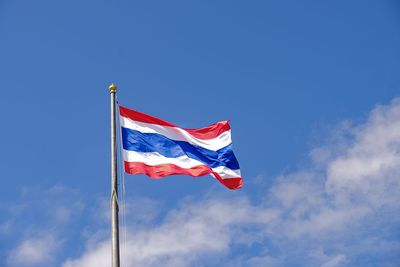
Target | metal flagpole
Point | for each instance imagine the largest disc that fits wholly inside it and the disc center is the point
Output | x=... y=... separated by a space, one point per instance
x=114 y=182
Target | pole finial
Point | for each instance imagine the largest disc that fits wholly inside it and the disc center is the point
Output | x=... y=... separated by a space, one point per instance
x=112 y=88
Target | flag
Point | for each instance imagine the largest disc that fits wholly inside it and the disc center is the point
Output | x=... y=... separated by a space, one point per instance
x=159 y=148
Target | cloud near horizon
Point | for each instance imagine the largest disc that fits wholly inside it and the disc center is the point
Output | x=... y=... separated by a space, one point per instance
x=37 y=224
x=342 y=210
x=34 y=251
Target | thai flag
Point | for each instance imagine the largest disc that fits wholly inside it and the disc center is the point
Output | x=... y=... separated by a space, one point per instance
x=158 y=148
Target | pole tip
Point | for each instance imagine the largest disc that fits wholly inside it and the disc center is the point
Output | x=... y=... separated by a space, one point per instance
x=112 y=88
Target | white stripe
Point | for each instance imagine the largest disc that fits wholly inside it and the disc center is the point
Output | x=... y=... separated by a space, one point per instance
x=225 y=172
x=154 y=158
x=178 y=134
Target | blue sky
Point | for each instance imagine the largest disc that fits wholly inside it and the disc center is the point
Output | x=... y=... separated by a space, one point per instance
x=311 y=89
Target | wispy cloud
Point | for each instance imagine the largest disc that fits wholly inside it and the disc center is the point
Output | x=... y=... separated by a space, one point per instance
x=335 y=261
x=34 y=251
x=36 y=225
x=186 y=234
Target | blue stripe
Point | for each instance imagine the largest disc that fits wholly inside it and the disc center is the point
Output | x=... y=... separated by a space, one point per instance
x=151 y=142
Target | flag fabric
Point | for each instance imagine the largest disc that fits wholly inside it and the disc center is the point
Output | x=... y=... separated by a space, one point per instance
x=158 y=148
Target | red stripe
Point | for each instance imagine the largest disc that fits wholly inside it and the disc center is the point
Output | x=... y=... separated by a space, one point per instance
x=211 y=131
x=138 y=116
x=231 y=183
x=205 y=133
x=162 y=170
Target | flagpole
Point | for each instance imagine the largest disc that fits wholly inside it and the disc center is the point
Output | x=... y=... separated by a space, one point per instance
x=114 y=183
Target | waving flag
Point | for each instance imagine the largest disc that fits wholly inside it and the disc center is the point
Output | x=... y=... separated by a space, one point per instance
x=158 y=148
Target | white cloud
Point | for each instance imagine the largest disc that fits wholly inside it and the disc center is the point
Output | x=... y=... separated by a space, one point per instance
x=34 y=251
x=370 y=169
x=38 y=222
x=187 y=234
x=348 y=197
x=335 y=261
x=98 y=256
